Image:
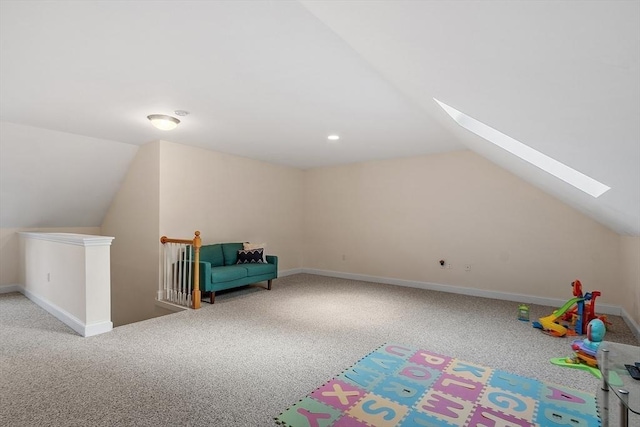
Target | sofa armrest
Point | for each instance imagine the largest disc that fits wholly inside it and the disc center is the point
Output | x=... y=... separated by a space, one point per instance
x=273 y=259
x=205 y=275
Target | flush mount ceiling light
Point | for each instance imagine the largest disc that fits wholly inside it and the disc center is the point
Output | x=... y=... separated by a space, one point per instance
x=163 y=122
x=333 y=137
x=550 y=165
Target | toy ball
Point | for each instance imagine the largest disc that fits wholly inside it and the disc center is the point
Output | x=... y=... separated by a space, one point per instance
x=596 y=330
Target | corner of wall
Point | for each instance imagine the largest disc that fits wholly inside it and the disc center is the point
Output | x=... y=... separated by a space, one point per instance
x=132 y=219
x=630 y=277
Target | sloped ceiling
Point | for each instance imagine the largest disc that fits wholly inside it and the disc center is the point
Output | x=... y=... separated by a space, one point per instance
x=56 y=179
x=270 y=80
x=562 y=77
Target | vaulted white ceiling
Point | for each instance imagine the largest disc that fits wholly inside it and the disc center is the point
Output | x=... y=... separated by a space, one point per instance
x=271 y=79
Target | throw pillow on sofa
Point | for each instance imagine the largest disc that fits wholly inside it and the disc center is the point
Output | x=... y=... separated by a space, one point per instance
x=263 y=246
x=251 y=256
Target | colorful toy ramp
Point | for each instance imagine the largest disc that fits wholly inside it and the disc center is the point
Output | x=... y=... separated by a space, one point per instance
x=398 y=385
x=548 y=323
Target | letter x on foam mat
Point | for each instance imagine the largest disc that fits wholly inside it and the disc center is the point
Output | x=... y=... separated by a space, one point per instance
x=399 y=385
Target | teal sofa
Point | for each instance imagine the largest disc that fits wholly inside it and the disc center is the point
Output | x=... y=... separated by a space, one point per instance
x=219 y=269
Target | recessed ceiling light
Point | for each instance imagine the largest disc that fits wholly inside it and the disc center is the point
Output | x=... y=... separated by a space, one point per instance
x=333 y=137
x=559 y=170
x=163 y=122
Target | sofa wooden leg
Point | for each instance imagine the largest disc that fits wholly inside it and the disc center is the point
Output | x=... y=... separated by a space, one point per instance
x=269 y=284
x=213 y=297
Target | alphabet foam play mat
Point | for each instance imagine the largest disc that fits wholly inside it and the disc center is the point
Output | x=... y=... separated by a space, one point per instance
x=399 y=385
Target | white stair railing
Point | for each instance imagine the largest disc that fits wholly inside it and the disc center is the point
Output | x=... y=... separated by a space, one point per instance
x=180 y=260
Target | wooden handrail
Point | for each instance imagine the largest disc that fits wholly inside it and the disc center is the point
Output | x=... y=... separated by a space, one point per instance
x=196 y=243
x=165 y=239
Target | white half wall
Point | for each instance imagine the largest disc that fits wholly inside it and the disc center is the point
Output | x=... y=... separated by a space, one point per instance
x=68 y=275
x=10 y=249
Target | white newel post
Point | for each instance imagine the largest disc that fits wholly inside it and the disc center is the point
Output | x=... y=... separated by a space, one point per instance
x=69 y=275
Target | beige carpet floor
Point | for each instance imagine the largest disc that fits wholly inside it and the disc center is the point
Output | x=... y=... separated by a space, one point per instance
x=254 y=353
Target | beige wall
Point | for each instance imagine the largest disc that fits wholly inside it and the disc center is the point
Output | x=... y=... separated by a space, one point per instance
x=10 y=249
x=173 y=190
x=231 y=199
x=398 y=218
x=630 y=267
x=393 y=218
x=132 y=219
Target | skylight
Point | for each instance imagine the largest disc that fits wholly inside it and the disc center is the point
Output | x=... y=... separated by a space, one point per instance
x=559 y=170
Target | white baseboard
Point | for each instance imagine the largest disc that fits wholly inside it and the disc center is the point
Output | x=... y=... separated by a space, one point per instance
x=285 y=273
x=506 y=296
x=86 y=330
x=170 y=306
x=5 y=289
x=635 y=328
x=97 y=328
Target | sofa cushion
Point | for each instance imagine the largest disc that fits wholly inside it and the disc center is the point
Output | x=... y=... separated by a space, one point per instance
x=227 y=273
x=250 y=256
x=230 y=251
x=212 y=254
x=259 y=269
